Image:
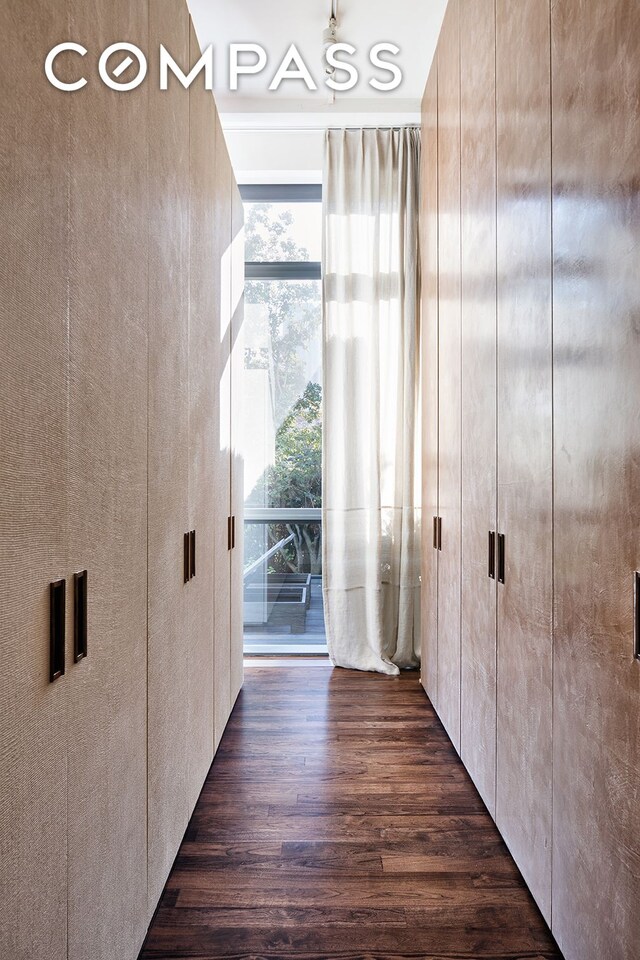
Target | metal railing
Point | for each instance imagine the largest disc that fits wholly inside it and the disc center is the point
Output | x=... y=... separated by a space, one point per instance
x=277 y=515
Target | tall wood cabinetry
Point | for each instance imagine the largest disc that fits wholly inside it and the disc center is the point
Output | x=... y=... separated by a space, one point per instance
x=549 y=691
x=34 y=465
x=237 y=470
x=449 y=387
x=525 y=439
x=429 y=364
x=107 y=490
x=495 y=700
x=110 y=398
x=204 y=455
x=229 y=485
x=596 y=327
x=478 y=389
x=169 y=656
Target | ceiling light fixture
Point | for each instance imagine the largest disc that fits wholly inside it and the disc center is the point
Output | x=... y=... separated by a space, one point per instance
x=329 y=37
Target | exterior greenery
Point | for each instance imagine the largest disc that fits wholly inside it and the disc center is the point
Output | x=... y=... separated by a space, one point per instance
x=283 y=333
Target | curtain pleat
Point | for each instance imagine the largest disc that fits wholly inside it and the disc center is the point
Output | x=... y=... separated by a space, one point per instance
x=371 y=459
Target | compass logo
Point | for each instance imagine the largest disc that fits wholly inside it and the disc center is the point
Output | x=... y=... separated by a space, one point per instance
x=244 y=59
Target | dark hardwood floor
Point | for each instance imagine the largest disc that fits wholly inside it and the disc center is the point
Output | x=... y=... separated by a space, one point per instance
x=337 y=821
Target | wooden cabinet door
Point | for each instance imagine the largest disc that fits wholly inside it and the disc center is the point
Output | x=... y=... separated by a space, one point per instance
x=34 y=330
x=449 y=402
x=203 y=412
x=596 y=215
x=108 y=295
x=478 y=268
x=237 y=464
x=524 y=751
x=429 y=365
x=222 y=487
x=169 y=637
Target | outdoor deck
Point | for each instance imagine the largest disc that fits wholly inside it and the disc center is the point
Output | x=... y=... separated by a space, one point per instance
x=277 y=639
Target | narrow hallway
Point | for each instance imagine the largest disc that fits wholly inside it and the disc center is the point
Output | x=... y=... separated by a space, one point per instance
x=338 y=821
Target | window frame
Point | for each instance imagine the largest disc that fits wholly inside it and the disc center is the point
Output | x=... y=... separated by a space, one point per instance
x=282 y=193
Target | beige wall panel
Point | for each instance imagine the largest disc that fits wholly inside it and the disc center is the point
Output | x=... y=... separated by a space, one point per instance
x=449 y=407
x=108 y=496
x=222 y=488
x=525 y=456
x=596 y=214
x=237 y=462
x=478 y=189
x=429 y=260
x=33 y=474
x=203 y=414
x=169 y=654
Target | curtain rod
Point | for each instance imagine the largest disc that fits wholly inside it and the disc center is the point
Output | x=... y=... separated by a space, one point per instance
x=328 y=126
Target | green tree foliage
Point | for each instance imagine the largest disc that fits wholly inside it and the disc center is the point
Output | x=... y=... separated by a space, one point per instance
x=283 y=321
x=296 y=478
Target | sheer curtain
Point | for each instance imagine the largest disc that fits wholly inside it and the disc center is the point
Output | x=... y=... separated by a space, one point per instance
x=371 y=460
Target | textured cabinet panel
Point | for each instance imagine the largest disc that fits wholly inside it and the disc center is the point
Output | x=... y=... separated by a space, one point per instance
x=169 y=639
x=33 y=493
x=524 y=753
x=429 y=259
x=449 y=406
x=108 y=497
x=203 y=414
x=596 y=214
x=222 y=488
x=237 y=464
x=478 y=268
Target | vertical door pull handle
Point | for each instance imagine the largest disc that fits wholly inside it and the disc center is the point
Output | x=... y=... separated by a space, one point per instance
x=233 y=532
x=192 y=554
x=57 y=604
x=79 y=616
x=492 y=554
x=501 y=558
x=435 y=533
x=229 y=540
x=439 y=533
x=187 y=558
x=636 y=615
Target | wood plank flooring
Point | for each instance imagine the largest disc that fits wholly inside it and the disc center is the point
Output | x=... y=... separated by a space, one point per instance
x=337 y=821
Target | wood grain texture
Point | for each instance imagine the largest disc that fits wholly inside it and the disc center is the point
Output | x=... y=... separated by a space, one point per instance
x=525 y=455
x=596 y=213
x=203 y=414
x=222 y=487
x=429 y=348
x=302 y=846
x=169 y=662
x=107 y=745
x=237 y=462
x=449 y=405
x=479 y=414
x=34 y=330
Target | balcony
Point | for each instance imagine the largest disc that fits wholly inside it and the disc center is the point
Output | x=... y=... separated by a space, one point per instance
x=283 y=608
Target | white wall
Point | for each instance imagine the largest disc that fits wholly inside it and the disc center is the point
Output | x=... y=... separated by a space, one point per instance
x=276 y=156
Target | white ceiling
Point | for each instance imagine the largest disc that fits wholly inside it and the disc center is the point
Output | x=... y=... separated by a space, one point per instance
x=413 y=25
